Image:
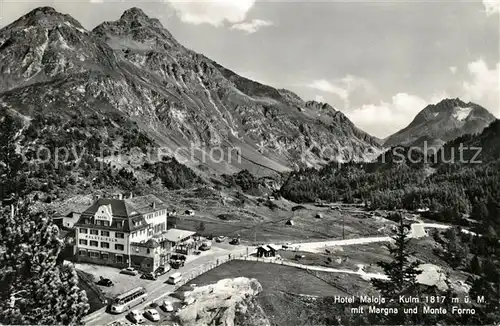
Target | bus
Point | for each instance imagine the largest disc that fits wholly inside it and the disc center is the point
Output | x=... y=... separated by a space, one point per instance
x=128 y=300
x=174 y=278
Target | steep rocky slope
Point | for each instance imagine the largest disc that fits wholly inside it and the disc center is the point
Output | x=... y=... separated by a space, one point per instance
x=133 y=71
x=437 y=124
x=228 y=302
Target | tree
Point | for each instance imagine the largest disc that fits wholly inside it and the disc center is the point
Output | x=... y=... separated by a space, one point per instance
x=475 y=266
x=401 y=272
x=34 y=289
x=456 y=253
x=200 y=228
x=10 y=160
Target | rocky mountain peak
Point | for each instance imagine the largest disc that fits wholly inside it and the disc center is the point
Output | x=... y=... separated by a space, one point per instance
x=132 y=69
x=45 y=17
x=134 y=13
x=135 y=25
x=442 y=122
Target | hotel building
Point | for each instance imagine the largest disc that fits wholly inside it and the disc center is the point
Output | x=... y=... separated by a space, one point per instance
x=118 y=232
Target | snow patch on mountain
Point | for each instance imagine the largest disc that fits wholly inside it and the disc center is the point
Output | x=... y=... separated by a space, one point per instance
x=461 y=113
x=81 y=30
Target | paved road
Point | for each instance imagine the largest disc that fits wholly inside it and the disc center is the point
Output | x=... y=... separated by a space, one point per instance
x=159 y=289
x=417 y=231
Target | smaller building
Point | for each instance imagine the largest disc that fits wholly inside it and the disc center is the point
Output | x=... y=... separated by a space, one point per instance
x=270 y=250
x=66 y=219
x=263 y=251
x=147 y=256
x=177 y=241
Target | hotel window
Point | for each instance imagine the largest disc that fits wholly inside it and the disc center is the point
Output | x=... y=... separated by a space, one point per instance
x=94 y=232
x=94 y=254
x=119 y=224
x=104 y=245
x=105 y=256
x=82 y=253
x=94 y=243
x=119 y=247
x=98 y=222
x=83 y=231
x=119 y=259
x=105 y=233
x=86 y=221
x=82 y=242
x=119 y=235
x=105 y=223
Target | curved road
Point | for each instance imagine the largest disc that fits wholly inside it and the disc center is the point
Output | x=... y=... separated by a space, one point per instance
x=160 y=289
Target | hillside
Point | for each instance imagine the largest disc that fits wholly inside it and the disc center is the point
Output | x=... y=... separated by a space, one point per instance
x=140 y=86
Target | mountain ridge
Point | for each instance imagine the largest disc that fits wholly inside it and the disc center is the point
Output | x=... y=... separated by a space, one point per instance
x=438 y=123
x=133 y=68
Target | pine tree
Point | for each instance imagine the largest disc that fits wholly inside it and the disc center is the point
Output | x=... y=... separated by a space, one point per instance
x=10 y=160
x=402 y=273
x=34 y=289
x=475 y=266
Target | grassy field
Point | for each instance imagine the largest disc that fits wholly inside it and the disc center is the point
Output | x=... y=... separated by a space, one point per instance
x=290 y=296
x=272 y=277
x=229 y=215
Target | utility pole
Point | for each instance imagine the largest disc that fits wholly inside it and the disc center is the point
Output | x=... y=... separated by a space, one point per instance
x=129 y=256
x=343 y=227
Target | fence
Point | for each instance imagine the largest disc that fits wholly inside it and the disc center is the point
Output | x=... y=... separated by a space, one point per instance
x=310 y=269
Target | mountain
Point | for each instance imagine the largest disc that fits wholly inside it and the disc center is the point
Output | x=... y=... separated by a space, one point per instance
x=442 y=122
x=473 y=149
x=131 y=79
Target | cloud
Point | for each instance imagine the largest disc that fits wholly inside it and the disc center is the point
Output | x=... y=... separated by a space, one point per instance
x=491 y=7
x=253 y=26
x=320 y=99
x=211 y=12
x=347 y=88
x=453 y=69
x=484 y=85
x=327 y=87
x=385 y=118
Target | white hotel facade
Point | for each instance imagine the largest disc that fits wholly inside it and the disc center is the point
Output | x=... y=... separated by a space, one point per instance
x=119 y=232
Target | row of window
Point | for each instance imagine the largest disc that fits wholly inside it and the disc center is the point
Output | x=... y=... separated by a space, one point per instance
x=155 y=214
x=119 y=235
x=95 y=254
x=119 y=224
x=105 y=245
x=150 y=232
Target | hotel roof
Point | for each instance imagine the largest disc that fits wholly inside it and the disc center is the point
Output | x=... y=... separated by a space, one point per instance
x=130 y=211
x=175 y=235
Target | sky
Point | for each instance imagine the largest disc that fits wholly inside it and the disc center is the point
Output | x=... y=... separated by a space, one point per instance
x=379 y=62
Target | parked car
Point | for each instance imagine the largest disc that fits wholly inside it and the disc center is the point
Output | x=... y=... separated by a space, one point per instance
x=167 y=306
x=136 y=317
x=152 y=314
x=177 y=264
x=162 y=270
x=149 y=276
x=105 y=282
x=129 y=271
x=235 y=241
x=220 y=239
x=206 y=245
